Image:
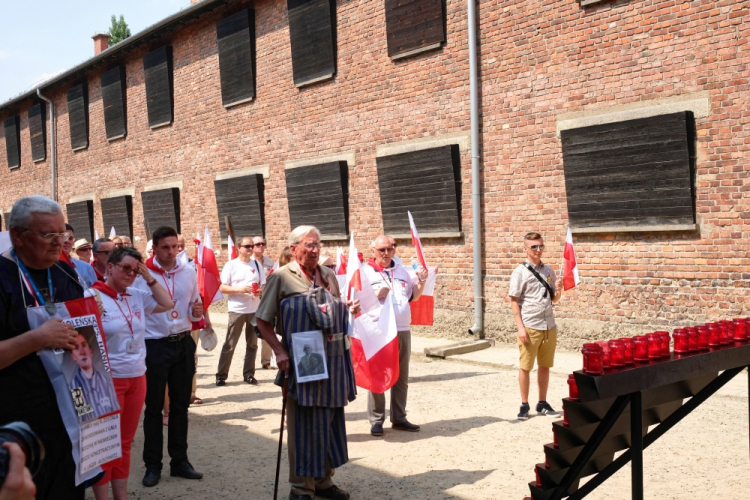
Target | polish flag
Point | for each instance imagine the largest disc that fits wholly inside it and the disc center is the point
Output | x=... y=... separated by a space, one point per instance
x=231 y=249
x=209 y=279
x=374 y=347
x=417 y=243
x=341 y=269
x=570 y=276
x=112 y=232
x=423 y=309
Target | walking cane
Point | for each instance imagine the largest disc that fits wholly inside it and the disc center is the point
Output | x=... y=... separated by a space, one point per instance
x=281 y=440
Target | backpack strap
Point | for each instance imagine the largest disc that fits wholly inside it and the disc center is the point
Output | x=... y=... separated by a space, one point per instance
x=547 y=287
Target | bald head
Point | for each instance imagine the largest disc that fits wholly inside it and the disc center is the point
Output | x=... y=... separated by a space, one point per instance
x=382 y=250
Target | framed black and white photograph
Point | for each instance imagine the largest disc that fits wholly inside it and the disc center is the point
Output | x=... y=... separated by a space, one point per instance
x=309 y=356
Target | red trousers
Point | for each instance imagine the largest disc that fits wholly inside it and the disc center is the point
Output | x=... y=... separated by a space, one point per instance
x=131 y=393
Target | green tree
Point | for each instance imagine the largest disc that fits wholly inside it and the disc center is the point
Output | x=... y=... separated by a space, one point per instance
x=119 y=30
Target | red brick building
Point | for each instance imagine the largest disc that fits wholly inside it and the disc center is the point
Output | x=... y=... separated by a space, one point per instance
x=663 y=244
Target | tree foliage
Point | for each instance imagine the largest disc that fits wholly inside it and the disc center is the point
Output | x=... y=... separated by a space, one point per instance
x=119 y=30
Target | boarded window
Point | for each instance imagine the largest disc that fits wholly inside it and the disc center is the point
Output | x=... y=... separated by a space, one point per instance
x=414 y=26
x=157 y=67
x=78 y=117
x=236 y=39
x=117 y=212
x=37 y=132
x=424 y=182
x=113 y=99
x=241 y=198
x=81 y=217
x=6 y=218
x=161 y=208
x=312 y=36
x=636 y=172
x=12 y=127
x=318 y=195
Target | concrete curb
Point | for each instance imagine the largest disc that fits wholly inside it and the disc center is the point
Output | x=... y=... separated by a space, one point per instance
x=462 y=347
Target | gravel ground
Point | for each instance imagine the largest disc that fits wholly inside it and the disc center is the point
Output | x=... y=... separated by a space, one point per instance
x=470 y=447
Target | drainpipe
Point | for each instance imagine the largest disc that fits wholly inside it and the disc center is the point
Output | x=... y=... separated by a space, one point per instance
x=51 y=142
x=476 y=207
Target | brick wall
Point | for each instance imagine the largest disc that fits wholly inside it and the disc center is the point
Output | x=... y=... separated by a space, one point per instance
x=540 y=59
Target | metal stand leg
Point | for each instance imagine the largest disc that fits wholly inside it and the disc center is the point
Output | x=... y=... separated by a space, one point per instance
x=636 y=445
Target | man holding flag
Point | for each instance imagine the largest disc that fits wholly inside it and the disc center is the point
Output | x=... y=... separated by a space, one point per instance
x=386 y=277
x=534 y=287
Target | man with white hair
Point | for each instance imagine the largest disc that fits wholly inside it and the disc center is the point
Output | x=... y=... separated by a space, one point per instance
x=392 y=280
x=305 y=295
x=30 y=275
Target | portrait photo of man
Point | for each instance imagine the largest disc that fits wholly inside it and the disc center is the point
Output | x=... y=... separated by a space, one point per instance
x=311 y=363
x=92 y=390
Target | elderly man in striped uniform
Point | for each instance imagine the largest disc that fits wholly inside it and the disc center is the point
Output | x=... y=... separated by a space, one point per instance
x=302 y=297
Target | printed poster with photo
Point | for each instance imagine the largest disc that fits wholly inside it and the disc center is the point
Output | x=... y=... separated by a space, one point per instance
x=309 y=356
x=82 y=380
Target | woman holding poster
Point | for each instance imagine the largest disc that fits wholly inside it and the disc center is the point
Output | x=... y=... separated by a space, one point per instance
x=123 y=321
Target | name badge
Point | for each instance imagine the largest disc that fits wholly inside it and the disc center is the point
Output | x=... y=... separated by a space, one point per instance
x=132 y=347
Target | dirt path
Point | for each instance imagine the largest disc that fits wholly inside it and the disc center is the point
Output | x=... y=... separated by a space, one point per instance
x=470 y=446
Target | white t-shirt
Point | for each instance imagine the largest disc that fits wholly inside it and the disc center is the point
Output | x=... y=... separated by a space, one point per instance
x=130 y=307
x=236 y=274
x=401 y=282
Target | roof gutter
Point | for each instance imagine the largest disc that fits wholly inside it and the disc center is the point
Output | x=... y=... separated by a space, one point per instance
x=52 y=152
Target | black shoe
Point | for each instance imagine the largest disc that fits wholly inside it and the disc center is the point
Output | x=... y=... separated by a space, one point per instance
x=334 y=493
x=524 y=413
x=221 y=382
x=294 y=496
x=543 y=408
x=184 y=470
x=405 y=426
x=251 y=380
x=376 y=430
x=153 y=474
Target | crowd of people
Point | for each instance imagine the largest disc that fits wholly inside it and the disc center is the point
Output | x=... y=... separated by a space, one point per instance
x=151 y=312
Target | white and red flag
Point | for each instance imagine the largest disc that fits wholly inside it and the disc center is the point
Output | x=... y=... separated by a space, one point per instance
x=209 y=279
x=570 y=276
x=231 y=249
x=417 y=242
x=374 y=334
x=423 y=309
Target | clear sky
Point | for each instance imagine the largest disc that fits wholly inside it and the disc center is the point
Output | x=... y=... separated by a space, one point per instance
x=44 y=37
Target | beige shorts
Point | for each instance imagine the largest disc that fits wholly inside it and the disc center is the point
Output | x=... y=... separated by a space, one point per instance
x=541 y=347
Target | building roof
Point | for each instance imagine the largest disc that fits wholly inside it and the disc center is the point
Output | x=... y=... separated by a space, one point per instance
x=119 y=50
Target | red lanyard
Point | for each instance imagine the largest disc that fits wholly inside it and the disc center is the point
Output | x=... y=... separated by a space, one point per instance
x=166 y=285
x=129 y=321
x=385 y=279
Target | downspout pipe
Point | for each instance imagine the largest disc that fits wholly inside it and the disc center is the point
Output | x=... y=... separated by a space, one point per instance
x=52 y=154
x=476 y=200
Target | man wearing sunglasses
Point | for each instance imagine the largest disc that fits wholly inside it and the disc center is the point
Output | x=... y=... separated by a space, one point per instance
x=532 y=294
x=266 y=263
x=102 y=248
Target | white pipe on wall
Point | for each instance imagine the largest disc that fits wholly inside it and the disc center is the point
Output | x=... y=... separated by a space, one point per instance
x=51 y=142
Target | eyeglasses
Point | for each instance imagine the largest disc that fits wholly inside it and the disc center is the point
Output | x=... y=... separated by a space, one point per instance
x=119 y=245
x=386 y=249
x=311 y=246
x=259 y=244
x=247 y=246
x=71 y=238
x=87 y=249
x=49 y=237
x=537 y=247
x=105 y=252
x=127 y=269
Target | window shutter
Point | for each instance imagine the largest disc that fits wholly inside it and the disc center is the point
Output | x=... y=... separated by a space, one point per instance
x=13 y=141
x=117 y=212
x=635 y=172
x=37 y=120
x=81 y=217
x=236 y=39
x=311 y=33
x=78 y=116
x=414 y=26
x=424 y=182
x=318 y=195
x=161 y=208
x=6 y=217
x=243 y=199
x=114 y=101
x=157 y=67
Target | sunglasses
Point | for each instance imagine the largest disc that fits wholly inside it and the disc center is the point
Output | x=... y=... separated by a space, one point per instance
x=386 y=249
x=127 y=269
x=105 y=252
x=537 y=247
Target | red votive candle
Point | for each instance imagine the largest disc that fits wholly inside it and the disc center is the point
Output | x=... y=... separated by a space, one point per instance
x=665 y=338
x=628 y=342
x=565 y=417
x=640 y=348
x=538 y=478
x=725 y=333
x=702 y=337
x=593 y=359
x=654 y=345
x=554 y=439
x=740 y=330
x=607 y=362
x=681 y=341
x=692 y=338
x=573 y=388
x=617 y=353
x=714 y=335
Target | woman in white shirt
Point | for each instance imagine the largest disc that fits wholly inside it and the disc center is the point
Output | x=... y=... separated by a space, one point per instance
x=124 y=324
